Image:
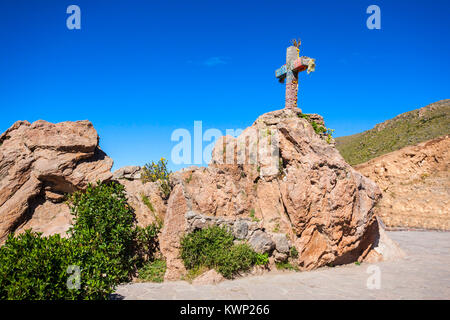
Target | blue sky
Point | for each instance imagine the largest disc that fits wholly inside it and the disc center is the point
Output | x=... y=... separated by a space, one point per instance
x=141 y=69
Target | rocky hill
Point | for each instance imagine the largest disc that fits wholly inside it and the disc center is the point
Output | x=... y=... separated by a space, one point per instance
x=415 y=182
x=309 y=194
x=279 y=185
x=406 y=129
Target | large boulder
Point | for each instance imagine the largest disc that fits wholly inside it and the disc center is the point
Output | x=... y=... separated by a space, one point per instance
x=290 y=179
x=39 y=164
x=261 y=242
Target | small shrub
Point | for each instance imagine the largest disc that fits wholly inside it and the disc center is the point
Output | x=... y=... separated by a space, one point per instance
x=149 y=205
x=329 y=134
x=158 y=172
x=285 y=266
x=153 y=271
x=146 y=243
x=203 y=246
x=261 y=259
x=252 y=215
x=424 y=175
x=318 y=128
x=280 y=167
x=239 y=257
x=213 y=248
x=276 y=229
x=304 y=116
x=194 y=273
x=293 y=252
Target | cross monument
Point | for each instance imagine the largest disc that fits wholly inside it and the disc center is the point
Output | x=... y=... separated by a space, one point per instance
x=289 y=72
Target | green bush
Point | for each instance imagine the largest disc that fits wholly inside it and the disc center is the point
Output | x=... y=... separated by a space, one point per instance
x=329 y=134
x=158 y=172
x=146 y=243
x=149 y=205
x=318 y=128
x=100 y=270
x=153 y=271
x=203 y=246
x=293 y=252
x=262 y=259
x=103 y=219
x=33 y=267
x=104 y=243
x=304 y=116
x=194 y=273
x=239 y=257
x=286 y=266
x=213 y=248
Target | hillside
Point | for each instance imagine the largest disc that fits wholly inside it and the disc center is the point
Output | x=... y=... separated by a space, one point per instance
x=415 y=182
x=406 y=129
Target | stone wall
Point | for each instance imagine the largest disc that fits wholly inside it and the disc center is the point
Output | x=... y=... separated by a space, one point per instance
x=244 y=229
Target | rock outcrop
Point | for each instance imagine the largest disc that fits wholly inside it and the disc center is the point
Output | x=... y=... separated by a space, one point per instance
x=146 y=199
x=309 y=193
x=39 y=164
x=128 y=173
x=208 y=278
x=415 y=182
x=243 y=229
x=280 y=184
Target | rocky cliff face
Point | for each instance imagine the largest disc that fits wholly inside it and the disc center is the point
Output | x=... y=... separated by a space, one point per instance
x=39 y=163
x=415 y=182
x=309 y=193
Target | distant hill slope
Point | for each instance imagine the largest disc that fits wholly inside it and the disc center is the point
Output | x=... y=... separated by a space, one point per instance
x=415 y=182
x=406 y=129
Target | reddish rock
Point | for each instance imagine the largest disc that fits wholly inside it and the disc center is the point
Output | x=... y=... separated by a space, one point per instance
x=415 y=182
x=174 y=227
x=208 y=278
x=39 y=163
x=304 y=195
x=319 y=201
x=146 y=200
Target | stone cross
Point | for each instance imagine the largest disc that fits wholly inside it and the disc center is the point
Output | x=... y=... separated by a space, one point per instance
x=289 y=73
